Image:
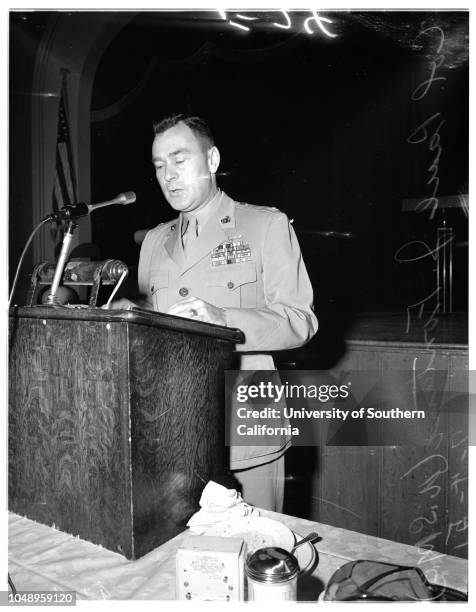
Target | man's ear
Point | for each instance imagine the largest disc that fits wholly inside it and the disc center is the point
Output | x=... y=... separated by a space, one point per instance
x=213 y=156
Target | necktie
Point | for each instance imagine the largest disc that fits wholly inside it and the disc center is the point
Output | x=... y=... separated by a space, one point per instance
x=190 y=234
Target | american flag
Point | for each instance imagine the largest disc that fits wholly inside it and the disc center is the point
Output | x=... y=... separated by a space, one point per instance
x=65 y=186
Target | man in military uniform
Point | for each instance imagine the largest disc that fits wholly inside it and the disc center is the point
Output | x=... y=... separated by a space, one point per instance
x=230 y=264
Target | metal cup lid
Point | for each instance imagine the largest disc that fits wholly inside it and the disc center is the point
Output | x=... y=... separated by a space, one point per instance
x=272 y=564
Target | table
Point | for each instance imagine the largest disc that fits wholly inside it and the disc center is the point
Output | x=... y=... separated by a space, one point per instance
x=42 y=558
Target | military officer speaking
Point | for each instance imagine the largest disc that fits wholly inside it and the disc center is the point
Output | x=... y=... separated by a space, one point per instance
x=227 y=263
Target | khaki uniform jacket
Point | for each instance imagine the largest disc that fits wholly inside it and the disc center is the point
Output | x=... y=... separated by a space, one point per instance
x=264 y=286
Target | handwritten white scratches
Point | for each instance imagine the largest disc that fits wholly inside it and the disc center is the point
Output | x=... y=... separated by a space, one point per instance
x=311 y=25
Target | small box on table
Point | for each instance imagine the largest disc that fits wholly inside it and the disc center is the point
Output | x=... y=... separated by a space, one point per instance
x=210 y=568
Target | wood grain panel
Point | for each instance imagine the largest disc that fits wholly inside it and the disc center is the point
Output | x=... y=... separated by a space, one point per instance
x=347 y=490
x=358 y=358
x=114 y=426
x=139 y=316
x=68 y=429
x=177 y=427
x=353 y=430
x=413 y=489
x=456 y=536
x=414 y=482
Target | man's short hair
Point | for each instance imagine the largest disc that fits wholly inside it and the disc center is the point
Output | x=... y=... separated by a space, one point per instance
x=198 y=126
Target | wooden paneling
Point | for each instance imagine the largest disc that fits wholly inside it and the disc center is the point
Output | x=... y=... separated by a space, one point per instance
x=69 y=429
x=354 y=507
x=456 y=536
x=115 y=424
x=345 y=491
x=412 y=488
x=178 y=428
x=413 y=472
x=365 y=358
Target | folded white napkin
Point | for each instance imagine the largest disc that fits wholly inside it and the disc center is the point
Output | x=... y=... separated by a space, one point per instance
x=219 y=504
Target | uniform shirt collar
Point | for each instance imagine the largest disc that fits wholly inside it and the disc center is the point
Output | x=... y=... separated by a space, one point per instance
x=203 y=215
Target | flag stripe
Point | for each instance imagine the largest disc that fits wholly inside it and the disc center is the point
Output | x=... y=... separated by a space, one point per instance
x=57 y=195
x=65 y=186
x=64 y=172
x=60 y=182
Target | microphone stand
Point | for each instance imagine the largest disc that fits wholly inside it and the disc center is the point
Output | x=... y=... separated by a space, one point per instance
x=65 y=248
x=70 y=212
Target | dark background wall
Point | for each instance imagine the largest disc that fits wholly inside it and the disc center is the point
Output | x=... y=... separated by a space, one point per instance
x=25 y=36
x=316 y=126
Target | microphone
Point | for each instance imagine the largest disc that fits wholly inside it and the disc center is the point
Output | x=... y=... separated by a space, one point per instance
x=81 y=209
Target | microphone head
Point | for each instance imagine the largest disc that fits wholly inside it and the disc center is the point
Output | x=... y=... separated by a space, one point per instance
x=127 y=197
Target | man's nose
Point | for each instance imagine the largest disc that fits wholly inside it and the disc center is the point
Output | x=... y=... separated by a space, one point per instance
x=170 y=172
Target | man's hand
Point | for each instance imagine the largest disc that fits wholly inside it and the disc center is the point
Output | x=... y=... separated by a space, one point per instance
x=122 y=304
x=198 y=310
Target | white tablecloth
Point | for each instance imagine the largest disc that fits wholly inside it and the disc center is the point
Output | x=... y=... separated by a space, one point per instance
x=42 y=558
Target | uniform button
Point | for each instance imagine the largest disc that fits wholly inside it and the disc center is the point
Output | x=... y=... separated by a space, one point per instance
x=225 y=219
x=152 y=289
x=183 y=292
x=230 y=285
x=172 y=227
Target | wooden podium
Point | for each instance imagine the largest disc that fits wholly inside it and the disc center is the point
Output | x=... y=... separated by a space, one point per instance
x=116 y=421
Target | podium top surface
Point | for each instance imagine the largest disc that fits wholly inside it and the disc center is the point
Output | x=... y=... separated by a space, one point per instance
x=138 y=316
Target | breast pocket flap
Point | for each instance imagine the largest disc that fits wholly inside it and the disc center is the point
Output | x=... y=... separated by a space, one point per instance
x=232 y=276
